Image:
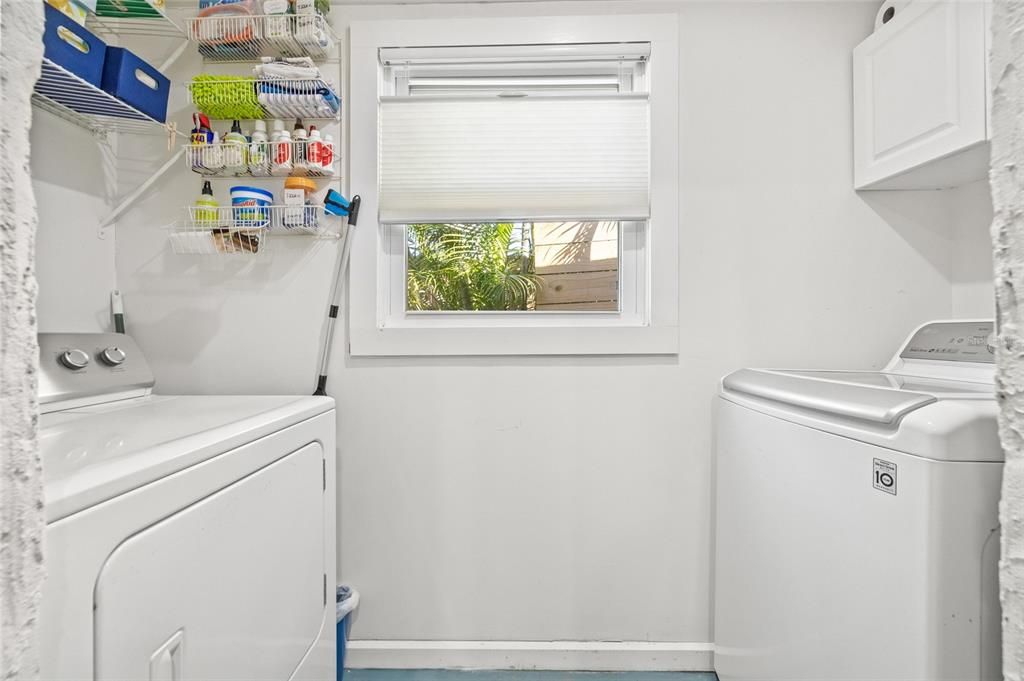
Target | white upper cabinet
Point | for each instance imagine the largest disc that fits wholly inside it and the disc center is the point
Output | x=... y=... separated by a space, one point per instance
x=920 y=98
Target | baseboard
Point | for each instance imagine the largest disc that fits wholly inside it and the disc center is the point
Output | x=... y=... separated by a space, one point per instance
x=554 y=655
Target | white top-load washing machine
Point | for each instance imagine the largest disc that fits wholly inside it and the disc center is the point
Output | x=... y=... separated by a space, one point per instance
x=856 y=523
x=187 y=537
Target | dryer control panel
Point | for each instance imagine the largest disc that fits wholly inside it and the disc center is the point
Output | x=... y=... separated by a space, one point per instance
x=89 y=368
x=953 y=342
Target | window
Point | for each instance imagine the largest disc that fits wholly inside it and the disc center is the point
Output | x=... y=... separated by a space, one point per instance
x=518 y=193
x=512 y=267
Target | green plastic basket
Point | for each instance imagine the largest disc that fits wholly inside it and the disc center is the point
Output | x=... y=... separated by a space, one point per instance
x=226 y=97
x=130 y=9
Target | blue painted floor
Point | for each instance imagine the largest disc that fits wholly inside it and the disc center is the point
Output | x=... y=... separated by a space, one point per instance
x=445 y=675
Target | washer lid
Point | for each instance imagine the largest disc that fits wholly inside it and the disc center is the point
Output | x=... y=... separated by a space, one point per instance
x=940 y=388
x=860 y=401
x=95 y=453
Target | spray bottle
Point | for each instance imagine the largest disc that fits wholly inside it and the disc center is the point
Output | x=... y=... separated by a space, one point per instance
x=235 y=147
x=205 y=212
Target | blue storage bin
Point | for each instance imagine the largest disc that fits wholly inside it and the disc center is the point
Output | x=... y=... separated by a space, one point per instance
x=342 y=634
x=136 y=83
x=72 y=47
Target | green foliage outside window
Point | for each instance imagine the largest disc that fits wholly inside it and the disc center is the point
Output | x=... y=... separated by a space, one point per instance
x=484 y=266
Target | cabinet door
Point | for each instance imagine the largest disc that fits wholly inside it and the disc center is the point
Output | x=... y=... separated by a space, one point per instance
x=919 y=92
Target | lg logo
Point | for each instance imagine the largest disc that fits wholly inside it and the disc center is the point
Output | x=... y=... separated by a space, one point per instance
x=884 y=476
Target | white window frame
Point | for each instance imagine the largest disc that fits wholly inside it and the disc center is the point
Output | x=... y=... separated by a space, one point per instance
x=647 y=322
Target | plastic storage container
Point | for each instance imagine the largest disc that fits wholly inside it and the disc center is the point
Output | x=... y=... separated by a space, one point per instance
x=72 y=47
x=250 y=206
x=346 y=601
x=136 y=83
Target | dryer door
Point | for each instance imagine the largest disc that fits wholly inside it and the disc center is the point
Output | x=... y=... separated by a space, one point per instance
x=231 y=587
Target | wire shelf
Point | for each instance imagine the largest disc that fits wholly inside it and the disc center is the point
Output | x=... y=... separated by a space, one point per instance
x=263 y=159
x=245 y=230
x=247 y=38
x=232 y=97
x=137 y=18
x=64 y=94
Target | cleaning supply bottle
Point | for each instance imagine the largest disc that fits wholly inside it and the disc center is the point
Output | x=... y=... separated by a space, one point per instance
x=327 y=155
x=235 y=146
x=299 y=209
x=258 y=150
x=201 y=136
x=213 y=154
x=201 y=131
x=205 y=212
x=281 y=150
x=314 y=151
x=299 y=149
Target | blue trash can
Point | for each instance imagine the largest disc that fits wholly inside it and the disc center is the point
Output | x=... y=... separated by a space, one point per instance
x=346 y=601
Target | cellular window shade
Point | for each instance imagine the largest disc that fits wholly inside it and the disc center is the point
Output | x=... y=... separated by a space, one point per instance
x=480 y=159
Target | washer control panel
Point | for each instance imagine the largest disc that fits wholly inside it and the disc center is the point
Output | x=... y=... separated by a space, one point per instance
x=953 y=342
x=89 y=367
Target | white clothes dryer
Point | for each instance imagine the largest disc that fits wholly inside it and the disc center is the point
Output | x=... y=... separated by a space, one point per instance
x=187 y=537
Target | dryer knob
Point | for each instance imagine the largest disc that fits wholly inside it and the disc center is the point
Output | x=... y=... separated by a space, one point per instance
x=74 y=359
x=113 y=356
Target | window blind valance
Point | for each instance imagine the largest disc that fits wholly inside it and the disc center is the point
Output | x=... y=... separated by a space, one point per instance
x=480 y=159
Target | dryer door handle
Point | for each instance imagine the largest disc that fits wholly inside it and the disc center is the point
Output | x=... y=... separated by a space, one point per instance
x=166 y=663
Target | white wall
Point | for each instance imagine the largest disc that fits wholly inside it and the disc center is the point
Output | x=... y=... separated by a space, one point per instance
x=971 y=216
x=78 y=178
x=569 y=498
x=73 y=178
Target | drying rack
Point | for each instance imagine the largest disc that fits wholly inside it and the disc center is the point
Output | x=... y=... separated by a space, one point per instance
x=248 y=38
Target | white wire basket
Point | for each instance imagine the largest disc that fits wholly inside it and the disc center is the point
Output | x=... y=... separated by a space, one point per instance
x=263 y=159
x=245 y=230
x=247 y=38
x=218 y=241
x=247 y=98
x=64 y=94
x=136 y=18
x=114 y=31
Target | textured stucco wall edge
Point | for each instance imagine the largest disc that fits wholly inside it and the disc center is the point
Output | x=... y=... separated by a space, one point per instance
x=1007 y=178
x=21 y=486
